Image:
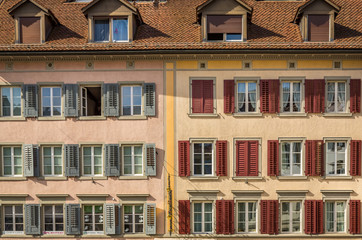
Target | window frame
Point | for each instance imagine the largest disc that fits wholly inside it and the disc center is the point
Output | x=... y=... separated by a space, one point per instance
x=345 y=220
x=337 y=80
x=12 y=160
x=290 y=219
x=202 y=216
x=81 y=86
x=110 y=25
x=224 y=34
x=247 y=216
x=214 y=97
x=135 y=84
x=93 y=219
x=213 y=161
x=132 y=165
x=4 y=232
x=52 y=160
x=347 y=153
x=302 y=157
x=92 y=160
x=41 y=87
x=293 y=80
x=53 y=219
x=133 y=217
x=257 y=97
x=12 y=101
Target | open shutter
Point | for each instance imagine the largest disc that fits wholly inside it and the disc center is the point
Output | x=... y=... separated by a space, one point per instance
x=273 y=158
x=355 y=95
x=355 y=216
x=269 y=216
x=32 y=219
x=31 y=160
x=71 y=100
x=184 y=158
x=184 y=216
x=313 y=216
x=355 y=158
x=221 y=158
x=71 y=153
x=150 y=218
x=224 y=216
x=72 y=219
x=111 y=100
x=314 y=158
x=208 y=93
x=112 y=220
x=229 y=96
x=319 y=216
x=150 y=159
x=197 y=96
x=314 y=95
x=269 y=96
x=308 y=226
x=112 y=160
x=150 y=99
x=31 y=100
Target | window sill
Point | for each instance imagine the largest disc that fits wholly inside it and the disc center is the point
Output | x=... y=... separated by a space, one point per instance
x=60 y=178
x=132 y=118
x=90 y=118
x=13 y=178
x=133 y=178
x=239 y=178
x=240 y=115
x=51 y=118
x=337 y=114
x=292 y=177
x=95 y=236
x=12 y=119
x=136 y=235
x=54 y=236
x=292 y=115
x=203 y=115
x=16 y=236
x=204 y=178
x=338 y=177
x=93 y=178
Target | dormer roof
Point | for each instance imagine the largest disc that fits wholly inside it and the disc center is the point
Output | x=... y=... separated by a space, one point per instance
x=21 y=4
x=207 y=3
x=303 y=7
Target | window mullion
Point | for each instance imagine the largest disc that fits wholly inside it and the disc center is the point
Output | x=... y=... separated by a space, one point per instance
x=92 y=161
x=246 y=97
x=11 y=102
x=133 y=219
x=13 y=213
x=131 y=100
x=132 y=160
x=247 y=216
x=291 y=97
x=12 y=161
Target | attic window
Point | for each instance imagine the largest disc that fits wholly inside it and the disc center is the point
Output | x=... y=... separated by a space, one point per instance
x=318 y=28
x=224 y=28
x=29 y=29
x=111 y=30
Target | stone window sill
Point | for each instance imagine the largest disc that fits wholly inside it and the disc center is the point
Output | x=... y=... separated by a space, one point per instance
x=142 y=117
x=51 y=118
x=133 y=178
x=60 y=178
x=203 y=115
x=292 y=115
x=91 y=118
x=241 y=115
x=239 y=178
x=292 y=177
x=12 y=119
x=204 y=178
x=12 y=178
x=93 y=178
x=337 y=115
x=338 y=177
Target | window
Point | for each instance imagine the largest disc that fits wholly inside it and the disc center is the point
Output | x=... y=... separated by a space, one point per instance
x=52 y=161
x=291 y=101
x=336 y=96
x=53 y=219
x=11 y=101
x=118 y=32
x=133 y=218
x=291 y=159
x=92 y=161
x=29 y=30
x=203 y=158
x=335 y=216
x=132 y=160
x=224 y=28
x=247 y=97
x=291 y=217
x=51 y=100
x=202 y=92
x=318 y=28
x=336 y=158
x=13 y=219
x=93 y=219
x=247 y=217
x=91 y=100
x=12 y=161
x=202 y=217
x=131 y=100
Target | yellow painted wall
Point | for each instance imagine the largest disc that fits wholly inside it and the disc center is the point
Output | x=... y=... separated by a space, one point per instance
x=352 y=64
x=314 y=64
x=269 y=64
x=224 y=64
x=186 y=65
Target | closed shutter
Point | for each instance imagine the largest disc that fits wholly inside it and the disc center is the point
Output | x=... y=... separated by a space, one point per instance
x=32 y=219
x=197 y=96
x=355 y=158
x=150 y=159
x=247 y=158
x=71 y=100
x=273 y=158
x=355 y=95
x=221 y=158
x=112 y=159
x=355 y=216
x=150 y=99
x=184 y=216
x=71 y=153
x=29 y=30
x=112 y=219
x=318 y=28
x=308 y=217
x=269 y=96
x=313 y=216
x=314 y=158
x=31 y=100
x=225 y=217
x=269 y=216
x=229 y=96
x=111 y=100
x=184 y=158
x=208 y=93
x=314 y=95
x=151 y=218
x=72 y=219
x=224 y=24
x=31 y=160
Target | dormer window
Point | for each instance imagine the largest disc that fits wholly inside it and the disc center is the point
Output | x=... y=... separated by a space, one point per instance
x=29 y=30
x=224 y=28
x=318 y=28
x=111 y=29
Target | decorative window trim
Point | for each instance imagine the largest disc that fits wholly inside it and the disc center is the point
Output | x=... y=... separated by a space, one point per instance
x=122 y=145
x=192 y=202
x=12 y=117
x=52 y=166
x=134 y=84
x=52 y=233
x=346 y=80
x=259 y=159
x=247 y=79
x=203 y=195
x=240 y=195
x=302 y=96
x=257 y=212
x=302 y=157
x=203 y=140
x=348 y=149
x=82 y=159
x=12 y=146
x=301 y=215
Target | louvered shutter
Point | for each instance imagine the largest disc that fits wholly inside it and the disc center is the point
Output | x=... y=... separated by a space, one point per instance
x=314 y=95
x=150 y=99
x=31 y=160
x=355 y=95
x=32 y=219
x=197 y=96
x=151 y=218
x=112 y=220
x=111 y=100
x=313 y=216
x=71 y=153
x=112 y=160
x=184 y=216
x=247 y=158
x=253 y=158
x=229 y=96
x=355 y=216
x=273 y=158
x=71 y=100
x=309 y=96
x=208 y=94
x=308 y=226
x=319 y=215
x=150 y=159
x=269 y=216
x=31 y=100
x=184 y=158
x=221 y=158
x=314 y=158
x=72 y=219
x=355 y=158
x=224 y=217
x=269 y=96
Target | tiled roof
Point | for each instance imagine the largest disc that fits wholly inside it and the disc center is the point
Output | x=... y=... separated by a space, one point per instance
x=173 y=26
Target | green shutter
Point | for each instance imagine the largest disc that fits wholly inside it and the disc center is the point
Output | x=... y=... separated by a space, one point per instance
x=31 y=100
x=112 y=159
x=72 y=219
x=31 y=160
x=150 y=99
x=112 y=219
x=71 y=100
x=111 y=100
x=32 y=219
x=150 y=218
x=150 y=159
x=71 y=153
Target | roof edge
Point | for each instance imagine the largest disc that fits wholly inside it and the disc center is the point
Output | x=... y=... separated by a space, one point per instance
x=94 y=2
x=301 y=8
x=241 y=2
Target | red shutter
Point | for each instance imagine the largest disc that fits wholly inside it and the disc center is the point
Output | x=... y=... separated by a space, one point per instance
x=269 y=96
x=308 y=217
x=314 y=158
x=309 y=96
x=264 y=93
x=355 y=95
x=247 y=158
x=184 y=216
x=229 y=96
x=184 y=158
x=224 y=217
x=313 y=216
x=269 y=216
x=253 y=158
x=355 y=158
x=197 y=96
x=273 y=157
x=221 y=158
x=309 y=158
x=355 y=216
x=208 y=92
x=314 y=96
x=319 y=216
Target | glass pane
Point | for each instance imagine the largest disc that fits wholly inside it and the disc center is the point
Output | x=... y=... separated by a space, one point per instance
x=101 y=30
x=97 y=151
x=233 y=37
x=197 y=147
x=208 y=148
x=120 y=29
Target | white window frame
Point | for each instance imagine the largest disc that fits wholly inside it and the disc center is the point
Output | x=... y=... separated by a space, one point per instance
x=335 y=216
x=93 y=220
x=291 y=92
x=13 y=218
x=346 y=162
x=54 y=232
x=202 y=216
x=291 y=142
x=337 y=80
x=131 y=104
x=247 y=216
x=83 y=95
x=51 y=101
x=132 y=157
x=213 y=161
x=52 y=161
x=133 y=218
x=11 y=101
x=12 y=161
x=290 y=220
x=246 y=96
x=110 y=24
x=92 y=161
